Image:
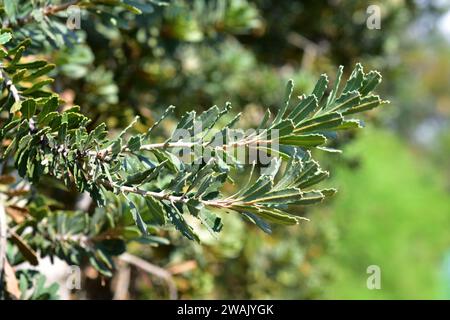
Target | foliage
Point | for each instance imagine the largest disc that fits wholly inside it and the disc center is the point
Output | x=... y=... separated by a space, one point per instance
x=137 y=179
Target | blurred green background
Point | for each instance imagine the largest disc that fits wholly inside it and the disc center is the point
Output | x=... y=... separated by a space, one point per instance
x=393 y=205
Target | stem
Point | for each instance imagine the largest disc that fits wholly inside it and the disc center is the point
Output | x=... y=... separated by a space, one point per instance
x=10 y=86
x=153 y=269
x=181 y=144
x=164 y=196
x=220 y=203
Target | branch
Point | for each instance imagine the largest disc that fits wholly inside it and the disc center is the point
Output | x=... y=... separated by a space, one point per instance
x=153 y=269
x=219 y=203
x=123 y=281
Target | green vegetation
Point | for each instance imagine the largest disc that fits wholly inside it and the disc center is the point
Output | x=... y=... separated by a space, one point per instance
x=399 y=222
x=101 y=172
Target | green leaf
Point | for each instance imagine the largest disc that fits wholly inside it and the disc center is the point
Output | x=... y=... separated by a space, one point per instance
x=17 y=57
x=28 y=108
x=371 y=81
x=284 y=127
x=134 y=143
x=137 y=218
x=367 y=103
x=122 y=133
x=208 y=118
x=50 y=105
x=320 y=87
x=5 y=37
x=310 y=197
x=40 y=72
x=152 y=240
x=156 y=209
x=287 y=98
x=155 y=125
x=306 y=106
x=143 y=7
x=99 y=133
x=308 y=140
x=285 y=196
x=139 y=177
x=346 y=101
x=186 y=122
x=260 y=187
x=49 y=118
x=210 y=220
x=311 y=180
x=350 y=124
x=337 y=82
x=270 y=214
x=99 y=265
x=116 y=147
x=325 y=122
x=176 y=218
x=17 y=105
x=37 y=86
x=18 y=76
x=170 y=160
x=356 y=79
x=32 y=65
x=263 y=225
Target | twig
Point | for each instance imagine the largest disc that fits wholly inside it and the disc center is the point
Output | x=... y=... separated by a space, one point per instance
x=183 y=267
x=220 y=203
x=123 y=282
x=10 y=86
x=153 y=269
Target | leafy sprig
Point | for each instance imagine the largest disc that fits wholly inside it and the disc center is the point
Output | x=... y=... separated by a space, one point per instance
x=45 y=140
